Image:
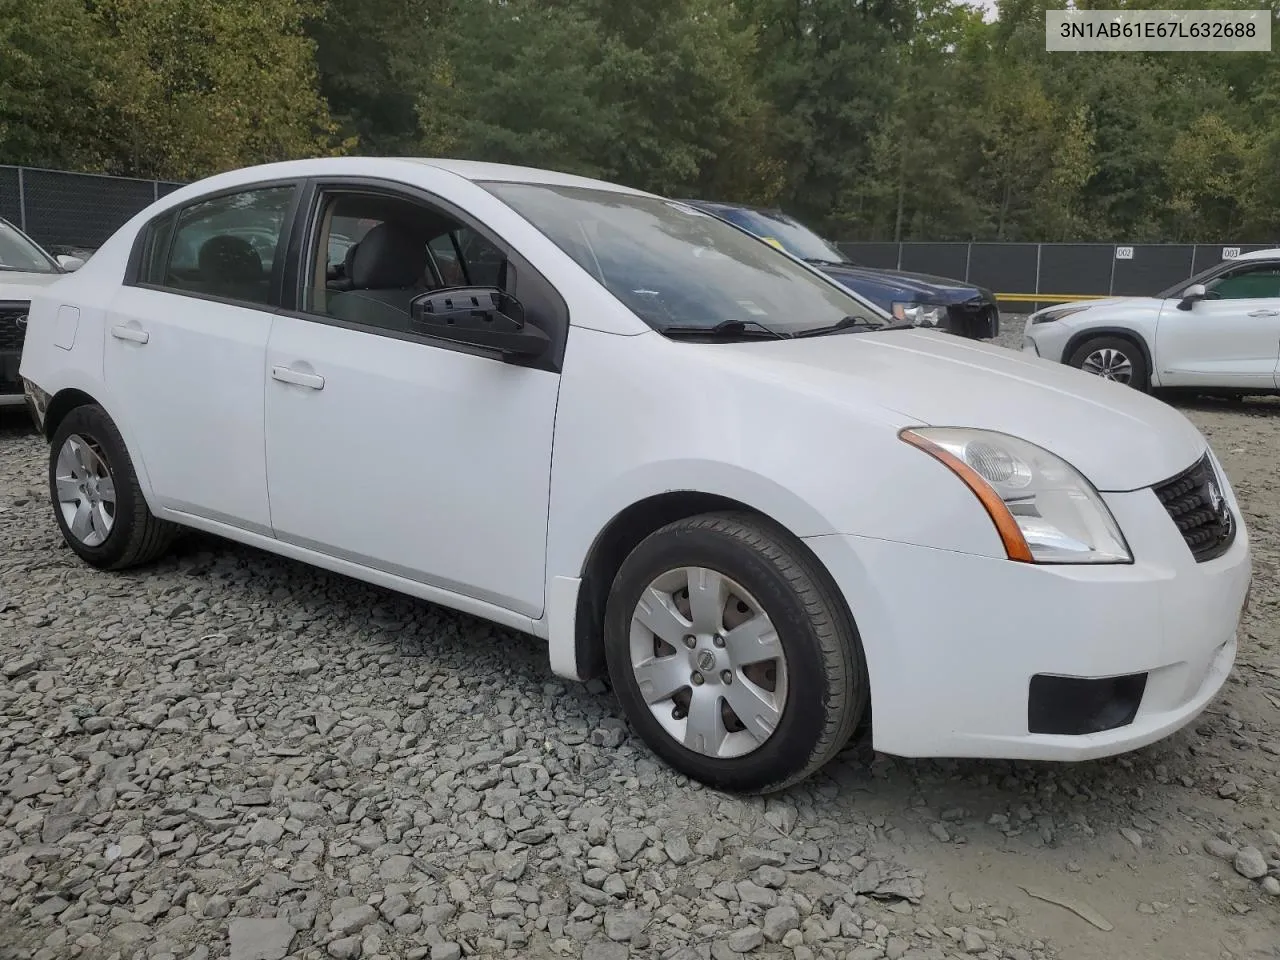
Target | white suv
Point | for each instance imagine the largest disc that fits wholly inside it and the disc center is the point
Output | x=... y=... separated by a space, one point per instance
x=1218 y=332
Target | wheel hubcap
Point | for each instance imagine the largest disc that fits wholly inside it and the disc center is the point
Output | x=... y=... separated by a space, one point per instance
x=1109 y=364
x=708 y=662
x=86 y=491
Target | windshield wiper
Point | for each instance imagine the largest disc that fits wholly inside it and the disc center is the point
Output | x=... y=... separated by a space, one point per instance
x=849 y=323
x=727 y=328
x=819 y=262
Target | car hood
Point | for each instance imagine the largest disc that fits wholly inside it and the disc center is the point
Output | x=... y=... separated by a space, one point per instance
x=1119 y=438
x=17 y=285
x=923 y=286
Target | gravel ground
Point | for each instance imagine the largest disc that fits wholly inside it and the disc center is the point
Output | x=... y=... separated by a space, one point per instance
x=233 y=755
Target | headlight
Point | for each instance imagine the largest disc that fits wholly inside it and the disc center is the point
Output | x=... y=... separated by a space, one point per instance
x=1057 y=313
x=1043 y=508
x=921 y=314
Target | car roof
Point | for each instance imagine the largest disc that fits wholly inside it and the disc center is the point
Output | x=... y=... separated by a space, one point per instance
x=1270 y=253
x=473 y=170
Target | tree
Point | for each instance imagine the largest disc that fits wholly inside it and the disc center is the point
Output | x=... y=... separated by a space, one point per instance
x=199 y=87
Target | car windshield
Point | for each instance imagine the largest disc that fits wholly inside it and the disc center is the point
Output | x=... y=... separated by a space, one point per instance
x=677 y=267
x=788 y=232
x=19 y=253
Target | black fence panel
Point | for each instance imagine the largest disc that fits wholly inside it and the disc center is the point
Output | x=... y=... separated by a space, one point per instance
x=949 y=260
x=1153 y=267
x=10 y=195
x=80 y=210
x=881 y=255
x=1070 y=270
x=164 y=188
x=1004 y=268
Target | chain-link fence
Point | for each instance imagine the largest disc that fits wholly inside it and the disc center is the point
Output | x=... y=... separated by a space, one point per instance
x=66 y=211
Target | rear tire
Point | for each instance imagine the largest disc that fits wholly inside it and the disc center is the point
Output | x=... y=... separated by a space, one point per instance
x=1113 y=358
x=97 y=501
x=772 y=641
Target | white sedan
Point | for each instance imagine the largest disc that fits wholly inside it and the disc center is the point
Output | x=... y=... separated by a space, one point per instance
x=1218 y=332
x=678 y=455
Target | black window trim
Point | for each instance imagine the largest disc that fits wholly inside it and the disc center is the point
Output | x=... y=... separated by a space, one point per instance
x=138 y=255
x=306 y=222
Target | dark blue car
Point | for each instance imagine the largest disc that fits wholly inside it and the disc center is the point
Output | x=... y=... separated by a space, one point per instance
x=927 y=301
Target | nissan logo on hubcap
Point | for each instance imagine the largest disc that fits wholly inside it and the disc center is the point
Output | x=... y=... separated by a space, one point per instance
x=706 y=661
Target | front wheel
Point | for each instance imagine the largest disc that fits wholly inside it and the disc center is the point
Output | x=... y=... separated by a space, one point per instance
x=1112 y=358
x=732 y=655
x=96 y=498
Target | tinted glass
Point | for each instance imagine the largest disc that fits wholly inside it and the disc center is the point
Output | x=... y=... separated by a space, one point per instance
x=1248 y=283
x=226 y=247
x=19 y=253
x=676 y=266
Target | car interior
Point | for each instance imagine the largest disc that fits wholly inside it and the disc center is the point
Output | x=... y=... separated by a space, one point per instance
x=398 y=250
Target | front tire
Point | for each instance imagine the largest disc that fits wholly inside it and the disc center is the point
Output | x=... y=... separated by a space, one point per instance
x=1112 y=358
x=732 y=654
x=96 y=498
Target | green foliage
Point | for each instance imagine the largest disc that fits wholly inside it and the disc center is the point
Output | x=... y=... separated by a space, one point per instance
x=870 y=119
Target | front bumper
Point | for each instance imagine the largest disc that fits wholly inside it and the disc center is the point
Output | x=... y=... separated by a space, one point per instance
x=953 y=641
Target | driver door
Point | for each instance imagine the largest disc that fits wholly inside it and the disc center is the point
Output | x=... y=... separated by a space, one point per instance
x=1231 y=338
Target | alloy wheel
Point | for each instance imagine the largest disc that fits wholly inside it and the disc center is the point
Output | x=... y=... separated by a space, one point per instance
x=86 y=491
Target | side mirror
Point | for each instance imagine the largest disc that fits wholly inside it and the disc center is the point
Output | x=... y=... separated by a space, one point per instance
x=1190 y=295
x=478 y=316
x=69 y=263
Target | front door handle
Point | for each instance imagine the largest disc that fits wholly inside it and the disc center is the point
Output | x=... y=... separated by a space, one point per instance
x=1264 y=313
x=122 y=332
x=289 y=375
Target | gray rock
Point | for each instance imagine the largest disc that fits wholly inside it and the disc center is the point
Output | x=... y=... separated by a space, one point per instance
x=624 y=925
x=1251 y=863
x=960 y=903
x=353 y=920
x=345 y=948
x=750 y=892
x=260 y=939
x=446 y=951
x=973 y=943
x=599 y=950
x=20 y=667
x=1217 y=847
x=745 y=940
x=779 y=921
x=1271 y=886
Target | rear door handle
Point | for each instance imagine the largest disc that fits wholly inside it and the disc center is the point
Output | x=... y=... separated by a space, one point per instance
x=289 y=375
x=1264 y=313
x=136 y=334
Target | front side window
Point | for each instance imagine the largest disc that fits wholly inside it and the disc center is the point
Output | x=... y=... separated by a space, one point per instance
x=225 y=247
x=675 y=266
x=393 y=249
x=1261 y=280
x=19 y=253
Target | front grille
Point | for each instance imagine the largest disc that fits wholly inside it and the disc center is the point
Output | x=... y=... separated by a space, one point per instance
x=1196 y=505
x=13 y=332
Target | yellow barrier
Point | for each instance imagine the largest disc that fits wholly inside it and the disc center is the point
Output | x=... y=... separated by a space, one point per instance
x=1048 y=297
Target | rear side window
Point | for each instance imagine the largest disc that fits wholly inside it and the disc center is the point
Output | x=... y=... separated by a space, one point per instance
x=225 y=247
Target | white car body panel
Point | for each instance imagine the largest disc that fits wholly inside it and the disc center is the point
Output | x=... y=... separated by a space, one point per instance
x=1233 y=344
x=484 y=486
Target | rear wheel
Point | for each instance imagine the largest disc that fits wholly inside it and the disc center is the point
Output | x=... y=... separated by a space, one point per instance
x=1112 y=358
x=732 y=655
x=97 y=501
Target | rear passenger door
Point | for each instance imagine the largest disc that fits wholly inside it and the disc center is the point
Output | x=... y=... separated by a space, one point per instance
x=186 y=347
